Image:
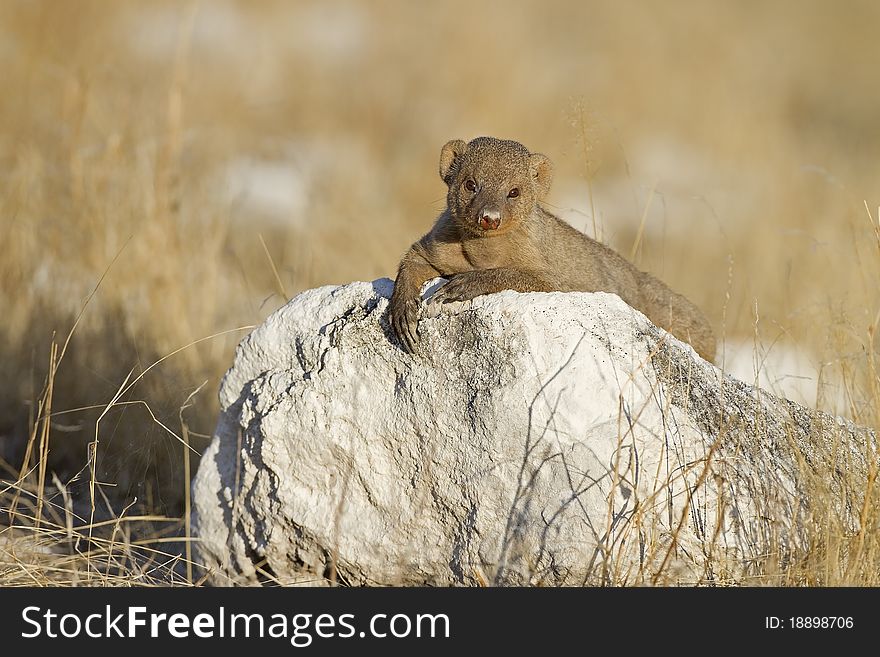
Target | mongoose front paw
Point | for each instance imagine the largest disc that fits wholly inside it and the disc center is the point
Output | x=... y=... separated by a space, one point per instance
x=403 y=315
x=462 y=287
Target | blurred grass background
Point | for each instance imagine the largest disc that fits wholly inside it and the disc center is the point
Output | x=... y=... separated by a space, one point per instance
x=201 y=144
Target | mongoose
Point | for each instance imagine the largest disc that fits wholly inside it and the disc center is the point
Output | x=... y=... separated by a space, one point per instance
x=495 y=236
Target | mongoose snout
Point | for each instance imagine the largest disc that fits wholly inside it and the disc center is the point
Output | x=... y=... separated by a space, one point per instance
x=487 y=207
x=494 y=191
x=490 y=219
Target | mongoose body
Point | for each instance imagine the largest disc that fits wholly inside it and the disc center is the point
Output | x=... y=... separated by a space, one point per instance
x=494 y=236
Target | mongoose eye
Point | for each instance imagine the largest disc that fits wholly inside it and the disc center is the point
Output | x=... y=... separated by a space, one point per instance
x=513 y=193
x=470 y=185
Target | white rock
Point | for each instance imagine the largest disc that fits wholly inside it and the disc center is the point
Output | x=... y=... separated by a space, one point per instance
x=535 y=439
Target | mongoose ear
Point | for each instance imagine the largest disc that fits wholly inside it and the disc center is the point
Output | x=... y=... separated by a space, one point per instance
x=541 y=169
x=450 y=152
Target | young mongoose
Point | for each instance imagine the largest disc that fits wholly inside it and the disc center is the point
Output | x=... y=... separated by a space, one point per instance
x=495 y=236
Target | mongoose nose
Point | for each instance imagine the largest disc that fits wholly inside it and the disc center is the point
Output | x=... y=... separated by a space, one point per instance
x=490 y=221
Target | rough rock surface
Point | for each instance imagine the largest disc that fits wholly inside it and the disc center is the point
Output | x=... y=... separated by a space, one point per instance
x=538 y=438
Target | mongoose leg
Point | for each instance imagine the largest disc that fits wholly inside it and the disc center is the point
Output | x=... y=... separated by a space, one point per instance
x=404 y=306
x=470 y=284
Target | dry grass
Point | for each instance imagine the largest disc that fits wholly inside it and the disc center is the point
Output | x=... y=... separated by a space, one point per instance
x=225 y=155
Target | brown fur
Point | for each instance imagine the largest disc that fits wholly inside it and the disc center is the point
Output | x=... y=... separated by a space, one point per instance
x=492 y=238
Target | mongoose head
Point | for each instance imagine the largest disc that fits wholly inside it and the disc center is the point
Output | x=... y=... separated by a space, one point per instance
x=494 y=184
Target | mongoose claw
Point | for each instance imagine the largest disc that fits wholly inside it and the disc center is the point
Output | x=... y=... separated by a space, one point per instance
x=404 y=320
x=462 y=287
